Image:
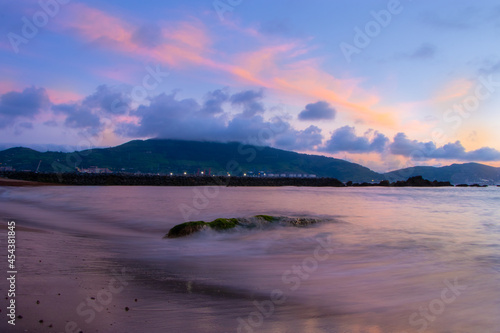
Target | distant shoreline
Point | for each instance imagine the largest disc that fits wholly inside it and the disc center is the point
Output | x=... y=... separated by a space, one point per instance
x=22 y=183
x=18 y=179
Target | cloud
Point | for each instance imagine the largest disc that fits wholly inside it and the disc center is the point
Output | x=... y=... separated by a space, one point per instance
x=344 y=139
x=485 y=154
x=428 y=150
x=285 y=65
x=50 y=123
x=403 y=146
x=214 y=100
x=489 y=66
x=149 y=36
x=276 y=27
x=110 y=100
x=308 y=139
x=26 y=104
x=185 y=119
x=168 y=117
x=86 y=114
x=250 y=101
x=78 y=116
x=26 y=124
x=424 y=51
x=456 y=19
x=317 y=111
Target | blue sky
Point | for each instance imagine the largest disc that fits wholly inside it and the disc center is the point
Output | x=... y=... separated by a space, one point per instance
x=387 y=84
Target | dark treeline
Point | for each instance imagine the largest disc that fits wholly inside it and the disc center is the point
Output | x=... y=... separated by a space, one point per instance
x=162 y=180
x=417 y=181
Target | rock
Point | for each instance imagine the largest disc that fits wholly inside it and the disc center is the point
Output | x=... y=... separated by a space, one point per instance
x=298 y=221
x=188 y=228
x=419 y=181
x=185 y=229
x=268 y=218
x=221 y=224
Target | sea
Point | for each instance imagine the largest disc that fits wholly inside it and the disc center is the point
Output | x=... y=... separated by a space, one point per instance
x=378 y=260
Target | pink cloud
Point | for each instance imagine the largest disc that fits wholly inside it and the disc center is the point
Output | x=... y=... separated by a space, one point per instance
x=187 y=45
x=93 y=24
x=63 y=96
x=6 y=86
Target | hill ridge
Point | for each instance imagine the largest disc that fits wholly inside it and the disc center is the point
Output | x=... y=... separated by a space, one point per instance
x=174 y=156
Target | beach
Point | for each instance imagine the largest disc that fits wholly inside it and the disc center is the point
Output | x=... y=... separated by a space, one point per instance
x=94 y=259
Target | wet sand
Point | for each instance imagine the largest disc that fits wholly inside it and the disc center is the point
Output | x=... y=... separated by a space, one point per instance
x=73 y=241
x=56 y=272
x=20 y=183
x=86 y=279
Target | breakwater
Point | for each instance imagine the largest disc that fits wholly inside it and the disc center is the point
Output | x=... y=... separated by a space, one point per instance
x=166 y=180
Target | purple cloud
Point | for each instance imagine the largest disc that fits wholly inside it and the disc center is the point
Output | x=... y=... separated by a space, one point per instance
x=318 y=111
x=250 y=101
x=427 y=150
x=26 y=104
x=344 y=139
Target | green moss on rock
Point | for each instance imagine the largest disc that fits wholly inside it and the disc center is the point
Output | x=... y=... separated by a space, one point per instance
x=223 y=224
x=268 y=218
x=185 y=229
x=188 y=228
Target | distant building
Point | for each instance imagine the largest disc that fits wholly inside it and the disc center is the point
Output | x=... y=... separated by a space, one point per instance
x=7 y=168
x=94 y=169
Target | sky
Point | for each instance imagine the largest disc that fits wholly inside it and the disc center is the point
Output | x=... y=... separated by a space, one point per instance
x=387 y=84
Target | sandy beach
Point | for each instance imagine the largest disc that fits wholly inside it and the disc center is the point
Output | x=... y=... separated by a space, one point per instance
x=56 y=273
x=71 y=278
x=93 y=259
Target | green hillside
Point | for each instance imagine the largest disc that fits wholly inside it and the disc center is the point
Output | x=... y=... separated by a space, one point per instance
x=467 y=173
x=176 y=156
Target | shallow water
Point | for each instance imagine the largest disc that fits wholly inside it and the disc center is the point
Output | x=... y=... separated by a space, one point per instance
x=381 y=259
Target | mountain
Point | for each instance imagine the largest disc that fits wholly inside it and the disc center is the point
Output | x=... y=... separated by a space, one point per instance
x=177 y=156
x=468 y=173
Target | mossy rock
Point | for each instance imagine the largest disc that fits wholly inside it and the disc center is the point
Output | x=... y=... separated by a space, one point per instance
x=299 y=221
x=185 y=229
x=267 y=218
x=188 y=228
x=221 y=224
